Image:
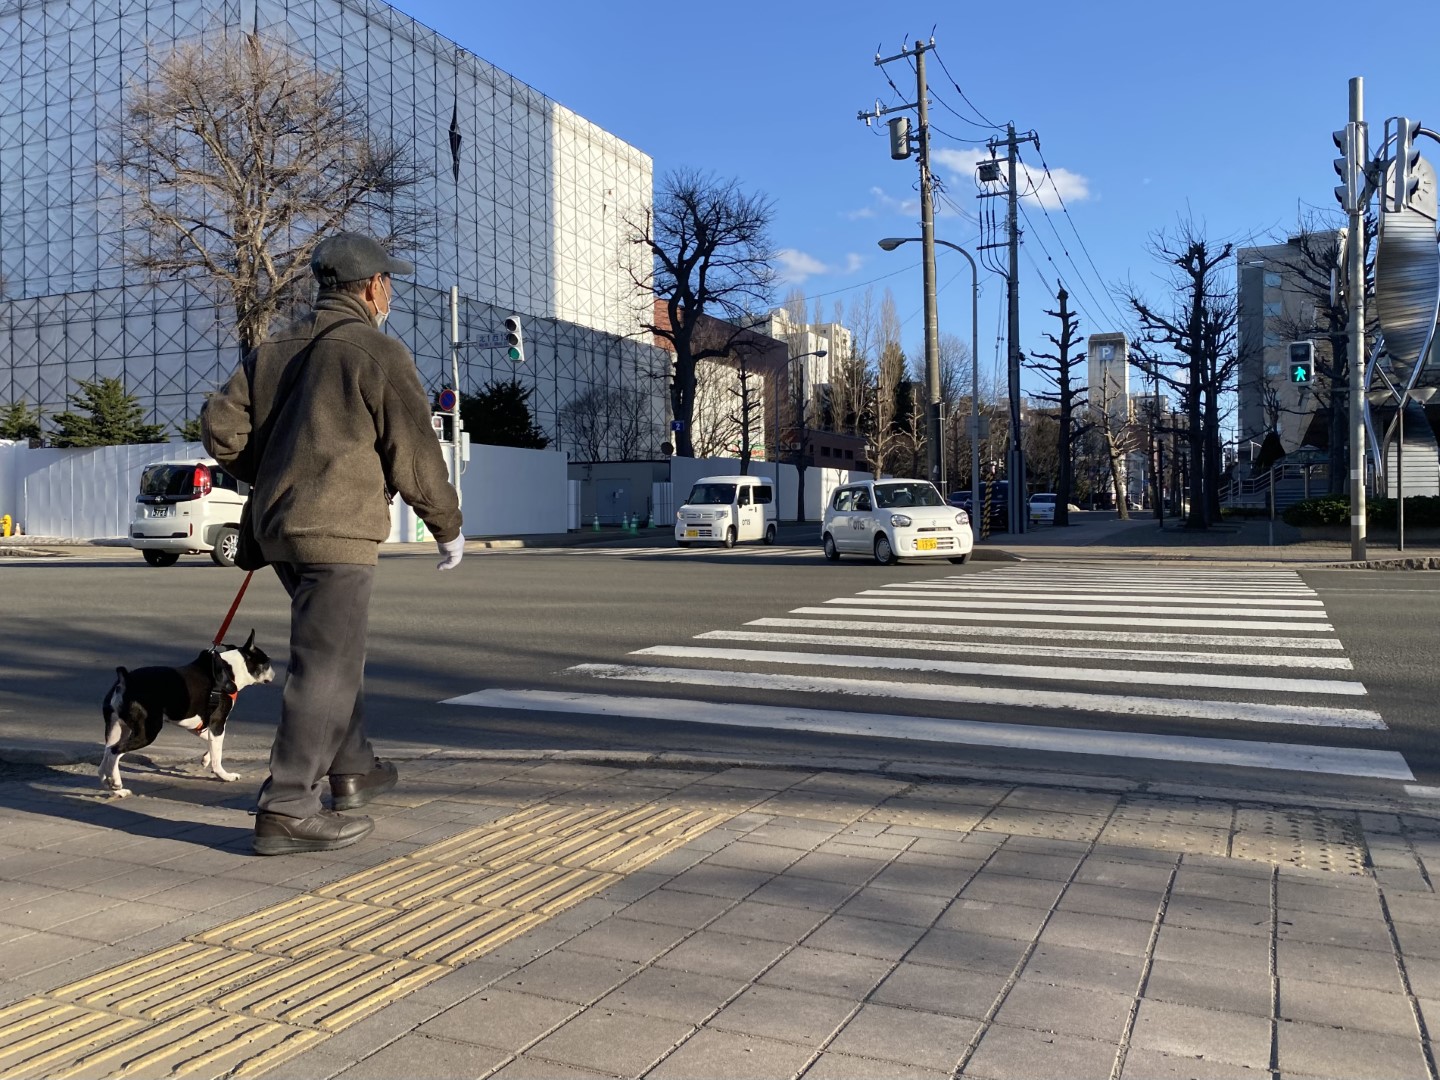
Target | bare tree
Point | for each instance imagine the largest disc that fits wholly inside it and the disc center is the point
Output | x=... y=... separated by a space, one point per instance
x=889 y=373
x=849 y=372
x=1117 y=439
x=706 y=250
x=583 y=421
x=713 y=430
x=236 y=157
x=606 y=423
x=1058 y=369
x=1190 y=346
x=1318 y=255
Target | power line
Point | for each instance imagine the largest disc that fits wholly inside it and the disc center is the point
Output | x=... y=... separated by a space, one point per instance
x=1053 y=265
x=1083 y=247
x=988 y=122
x=1079 y=277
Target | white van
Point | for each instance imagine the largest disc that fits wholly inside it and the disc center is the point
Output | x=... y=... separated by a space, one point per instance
x=727 y=509
x=189 y=507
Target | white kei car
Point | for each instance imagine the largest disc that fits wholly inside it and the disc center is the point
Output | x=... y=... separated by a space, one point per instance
x=894 y=519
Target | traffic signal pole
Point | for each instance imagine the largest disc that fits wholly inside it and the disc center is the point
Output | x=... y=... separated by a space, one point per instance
x=455 y=383
x=1355 y=325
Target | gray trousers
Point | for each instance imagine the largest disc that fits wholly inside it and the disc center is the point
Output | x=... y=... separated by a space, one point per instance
x=322 y=711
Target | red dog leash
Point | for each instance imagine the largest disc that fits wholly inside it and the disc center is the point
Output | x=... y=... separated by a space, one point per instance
x=230 y=615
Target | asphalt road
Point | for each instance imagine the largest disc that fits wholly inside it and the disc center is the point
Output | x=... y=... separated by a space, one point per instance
x=521 y=620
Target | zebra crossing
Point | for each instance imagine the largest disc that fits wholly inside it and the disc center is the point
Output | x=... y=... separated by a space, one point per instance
x=986 y=659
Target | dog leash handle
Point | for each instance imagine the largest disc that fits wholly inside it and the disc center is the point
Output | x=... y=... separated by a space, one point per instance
x=230 y=615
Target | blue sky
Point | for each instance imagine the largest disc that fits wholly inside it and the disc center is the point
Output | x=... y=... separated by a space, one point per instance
x=1145 y=112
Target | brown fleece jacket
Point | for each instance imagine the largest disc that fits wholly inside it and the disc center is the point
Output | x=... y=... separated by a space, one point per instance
x=355 y=421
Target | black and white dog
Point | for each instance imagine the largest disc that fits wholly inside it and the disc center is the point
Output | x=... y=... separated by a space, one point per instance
x=198 y=697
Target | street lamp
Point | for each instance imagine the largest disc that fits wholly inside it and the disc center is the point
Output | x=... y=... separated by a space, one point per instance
x=789 y=360
x=890 y=243
x=1420 y=394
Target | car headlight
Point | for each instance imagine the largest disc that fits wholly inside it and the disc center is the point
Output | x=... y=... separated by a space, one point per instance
x=899 y=521
x=962 y=518
x=679 y=516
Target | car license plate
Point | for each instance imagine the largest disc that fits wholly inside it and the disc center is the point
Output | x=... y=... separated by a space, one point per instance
x=159 y=511
x=690 y=534
x=925 y=544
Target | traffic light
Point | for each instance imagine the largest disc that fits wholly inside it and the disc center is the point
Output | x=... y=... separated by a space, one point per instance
x=1406 y=179
x=900 y=137
x=514 y=339
x=1302 y=362
x=1349 y=167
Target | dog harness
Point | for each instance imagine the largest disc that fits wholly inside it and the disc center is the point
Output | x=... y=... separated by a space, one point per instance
x=219 y=676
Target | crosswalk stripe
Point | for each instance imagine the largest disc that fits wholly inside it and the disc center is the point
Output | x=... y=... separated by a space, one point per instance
x=1193 y=750
x=946 y=591
x=1039 y=672
x=1166 y=656
x=876 y=596
x=1129 y=705
x=1058 y=589
x=1060 y=618
x=1241 y=641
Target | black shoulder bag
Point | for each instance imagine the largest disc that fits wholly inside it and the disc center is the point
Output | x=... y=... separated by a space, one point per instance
x=248 y=555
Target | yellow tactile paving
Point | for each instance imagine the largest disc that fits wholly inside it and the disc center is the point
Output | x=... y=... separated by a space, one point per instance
x=244 y=997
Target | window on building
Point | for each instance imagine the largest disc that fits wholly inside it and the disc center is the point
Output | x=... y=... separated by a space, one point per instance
x=1272 y=340
x=1272 y=370
x=1273 y=309
x=1272 y=279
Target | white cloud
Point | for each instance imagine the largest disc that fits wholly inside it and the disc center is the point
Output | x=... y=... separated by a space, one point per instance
x=1071 y=186
x=796 y=266
x=885 y=203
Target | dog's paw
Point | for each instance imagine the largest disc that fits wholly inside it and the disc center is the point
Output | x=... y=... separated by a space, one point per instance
x=228 y=777
x=120 y=793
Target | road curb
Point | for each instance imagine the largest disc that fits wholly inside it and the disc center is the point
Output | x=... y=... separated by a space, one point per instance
x=916 y=771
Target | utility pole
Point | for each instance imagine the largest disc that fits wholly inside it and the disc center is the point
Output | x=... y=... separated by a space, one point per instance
x=900 y=148
x=1018 y=517
x=1015 y=461
x=934 y=419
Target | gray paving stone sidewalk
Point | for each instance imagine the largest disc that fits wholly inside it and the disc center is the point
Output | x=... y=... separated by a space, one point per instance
x=834 y=924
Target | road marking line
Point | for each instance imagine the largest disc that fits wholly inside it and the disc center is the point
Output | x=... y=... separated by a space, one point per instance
x=1062 y=619
x=1155 y=656
x=1239 y=641
x=1129 y=705
x=922 y=600
x=1340 y=761
x=931 y=590
x=1045 y=672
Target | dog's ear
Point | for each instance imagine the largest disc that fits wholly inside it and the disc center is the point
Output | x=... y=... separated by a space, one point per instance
x=249 y=641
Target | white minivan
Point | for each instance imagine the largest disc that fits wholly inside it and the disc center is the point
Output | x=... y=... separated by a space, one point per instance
x=189 y=507
x=727 y=509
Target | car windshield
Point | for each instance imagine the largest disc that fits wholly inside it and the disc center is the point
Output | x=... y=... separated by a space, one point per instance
x=167 y=480
x=712 y=495
x=1042 y=498
x=917 y=493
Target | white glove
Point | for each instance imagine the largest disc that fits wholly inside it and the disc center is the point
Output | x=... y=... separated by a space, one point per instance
x=450 y=553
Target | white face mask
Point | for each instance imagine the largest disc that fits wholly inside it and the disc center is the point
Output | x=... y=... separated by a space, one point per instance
x=381 y=316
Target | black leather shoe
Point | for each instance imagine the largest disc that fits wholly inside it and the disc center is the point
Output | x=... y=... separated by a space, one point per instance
x=351 y=790
x=279 y=834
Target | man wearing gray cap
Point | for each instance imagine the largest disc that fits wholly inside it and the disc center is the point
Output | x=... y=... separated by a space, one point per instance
x=326 y=419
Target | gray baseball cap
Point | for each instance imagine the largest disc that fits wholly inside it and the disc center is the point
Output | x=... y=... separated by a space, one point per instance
x=349 y=256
